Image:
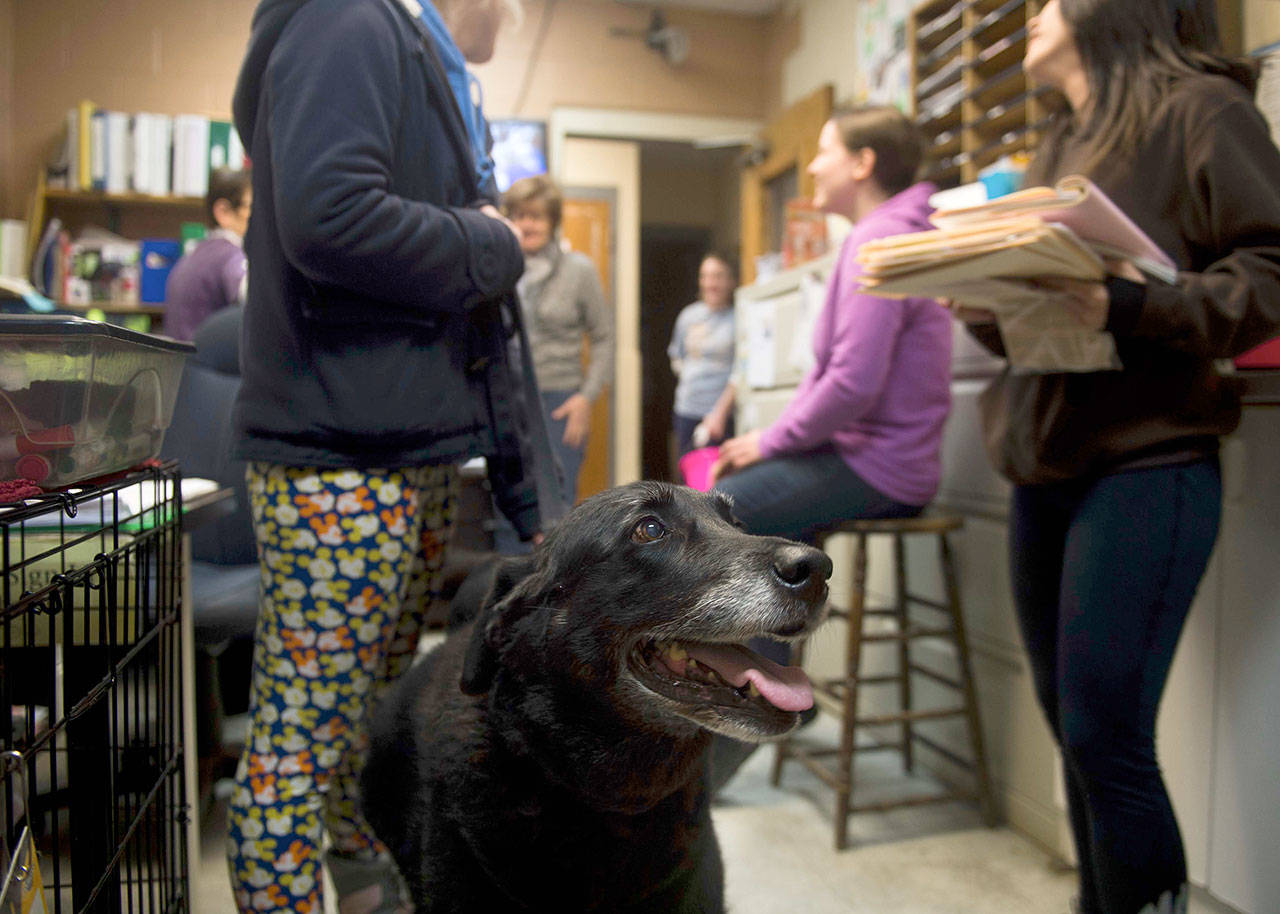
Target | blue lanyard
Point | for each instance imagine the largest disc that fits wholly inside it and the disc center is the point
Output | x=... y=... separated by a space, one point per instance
x=465 y=87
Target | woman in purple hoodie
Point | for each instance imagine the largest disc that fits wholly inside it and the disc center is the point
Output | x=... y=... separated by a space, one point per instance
x=862 y=435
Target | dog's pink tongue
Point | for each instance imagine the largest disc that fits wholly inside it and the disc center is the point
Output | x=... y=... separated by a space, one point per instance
x=785 y=687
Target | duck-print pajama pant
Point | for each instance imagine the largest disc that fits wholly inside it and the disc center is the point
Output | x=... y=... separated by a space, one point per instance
x=350 y=562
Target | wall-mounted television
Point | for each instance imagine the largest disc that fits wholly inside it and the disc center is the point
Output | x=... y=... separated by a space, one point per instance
x=519 y=149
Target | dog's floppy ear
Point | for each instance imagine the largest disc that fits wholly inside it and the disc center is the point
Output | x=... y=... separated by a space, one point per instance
x=480 y=664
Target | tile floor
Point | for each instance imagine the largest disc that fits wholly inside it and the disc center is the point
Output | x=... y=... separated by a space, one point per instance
x=777 y=846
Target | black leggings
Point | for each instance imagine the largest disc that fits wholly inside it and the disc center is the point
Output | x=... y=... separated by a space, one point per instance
x=1104 y=572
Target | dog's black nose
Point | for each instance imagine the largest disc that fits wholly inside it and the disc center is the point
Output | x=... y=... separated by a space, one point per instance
x=800 y=567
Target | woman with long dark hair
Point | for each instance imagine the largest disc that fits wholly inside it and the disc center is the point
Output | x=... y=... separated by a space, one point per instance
x=1117 y=490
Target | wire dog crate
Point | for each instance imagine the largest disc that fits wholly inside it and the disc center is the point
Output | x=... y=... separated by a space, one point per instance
x=92 y=798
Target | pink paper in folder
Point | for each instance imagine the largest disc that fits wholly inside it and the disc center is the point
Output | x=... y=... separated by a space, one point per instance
x=696 y=465
x=1075 y=202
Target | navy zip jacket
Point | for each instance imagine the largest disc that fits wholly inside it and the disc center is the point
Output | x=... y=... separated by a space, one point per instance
x=379 y=305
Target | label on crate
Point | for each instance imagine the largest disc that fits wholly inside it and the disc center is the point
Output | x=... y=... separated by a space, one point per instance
x=23 y=890
x=87 y=610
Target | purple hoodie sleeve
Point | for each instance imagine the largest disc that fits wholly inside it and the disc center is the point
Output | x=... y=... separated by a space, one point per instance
x=846 y=386
x=232 y=277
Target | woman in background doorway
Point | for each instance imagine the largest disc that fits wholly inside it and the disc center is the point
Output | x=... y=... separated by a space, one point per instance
x=563 y=301
x=1117 y=491
x=701 y=353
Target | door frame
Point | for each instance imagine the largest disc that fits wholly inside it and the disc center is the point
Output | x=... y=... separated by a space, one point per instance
x=633 y=126
x=609 y=124
x=599 y=410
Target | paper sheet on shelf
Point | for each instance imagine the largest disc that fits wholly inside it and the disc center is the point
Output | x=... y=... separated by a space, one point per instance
x=762 y=369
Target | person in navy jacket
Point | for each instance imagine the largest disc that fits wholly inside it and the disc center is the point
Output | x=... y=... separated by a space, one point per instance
x=376 y=353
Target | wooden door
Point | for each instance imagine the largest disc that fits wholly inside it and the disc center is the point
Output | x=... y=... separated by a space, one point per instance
x=792 y=141
x=587 y=225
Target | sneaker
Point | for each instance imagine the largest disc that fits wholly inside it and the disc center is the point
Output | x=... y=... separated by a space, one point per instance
x=366 y=885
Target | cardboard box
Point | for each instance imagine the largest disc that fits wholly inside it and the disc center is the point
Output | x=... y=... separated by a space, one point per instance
x=805 y=233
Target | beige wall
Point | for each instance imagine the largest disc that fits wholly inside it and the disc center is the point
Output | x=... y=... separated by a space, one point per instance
x=7 y=209
x=686 y=194
x=151 y=55
x=615 y=164
x=701 y=193
x=174 y=57
x=582 y=65
x=817 y=40
x=1261 y=23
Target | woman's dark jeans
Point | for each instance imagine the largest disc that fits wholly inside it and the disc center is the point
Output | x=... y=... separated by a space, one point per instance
x=798 y=496
x=1104 y=571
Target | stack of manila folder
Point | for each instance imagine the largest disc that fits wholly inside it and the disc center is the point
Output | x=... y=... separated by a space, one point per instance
x=990 y=255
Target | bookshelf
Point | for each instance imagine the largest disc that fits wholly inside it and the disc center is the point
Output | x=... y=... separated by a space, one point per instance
x=131 y=215
x=99 y=198
x=969 y=94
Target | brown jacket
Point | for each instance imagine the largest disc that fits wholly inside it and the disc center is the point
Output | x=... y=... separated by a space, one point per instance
x=1206 y=187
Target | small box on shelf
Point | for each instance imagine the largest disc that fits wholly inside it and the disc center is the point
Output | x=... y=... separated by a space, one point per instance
x=157 y=259
x=804 y=234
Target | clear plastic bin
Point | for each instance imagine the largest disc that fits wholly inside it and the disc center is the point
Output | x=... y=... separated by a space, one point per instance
x=80 y=398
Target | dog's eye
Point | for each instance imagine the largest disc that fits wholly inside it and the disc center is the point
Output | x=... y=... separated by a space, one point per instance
x=649 y=530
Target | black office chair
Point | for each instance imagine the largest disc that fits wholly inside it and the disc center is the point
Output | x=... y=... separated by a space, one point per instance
x=224 y=572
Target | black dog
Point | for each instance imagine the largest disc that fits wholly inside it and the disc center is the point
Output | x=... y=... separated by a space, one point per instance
x=549 y=756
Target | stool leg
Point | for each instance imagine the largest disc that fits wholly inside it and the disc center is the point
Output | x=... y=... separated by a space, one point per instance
x=904 y=652
x=966 y=680
x=849 y=717
x=784 y=744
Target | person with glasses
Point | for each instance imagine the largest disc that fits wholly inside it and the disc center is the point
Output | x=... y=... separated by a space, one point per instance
x=212 y=276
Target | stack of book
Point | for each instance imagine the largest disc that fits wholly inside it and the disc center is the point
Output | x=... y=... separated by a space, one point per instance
x=145 y=153
x=1065 y=231
x=990 y=255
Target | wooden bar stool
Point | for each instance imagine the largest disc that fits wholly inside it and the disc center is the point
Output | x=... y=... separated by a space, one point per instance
x=840 y=696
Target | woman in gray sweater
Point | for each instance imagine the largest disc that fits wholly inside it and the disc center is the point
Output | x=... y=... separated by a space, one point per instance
x=563 y=301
